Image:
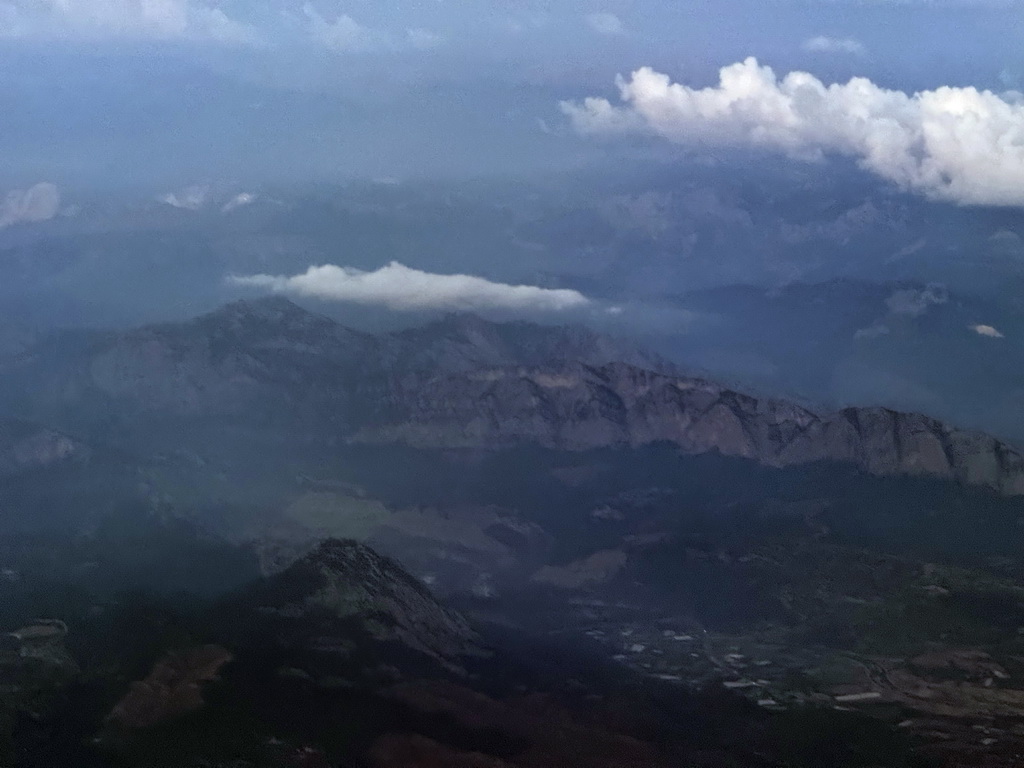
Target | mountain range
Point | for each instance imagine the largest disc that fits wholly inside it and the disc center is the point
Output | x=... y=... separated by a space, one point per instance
x=486 y=544
x=461 y=382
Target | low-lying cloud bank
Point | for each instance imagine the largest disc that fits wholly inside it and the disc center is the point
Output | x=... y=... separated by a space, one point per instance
x=955 y=144
x=399 y=287
x=35 y=204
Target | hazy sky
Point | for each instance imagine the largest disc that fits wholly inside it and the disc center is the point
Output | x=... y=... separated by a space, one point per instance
x=133 y=90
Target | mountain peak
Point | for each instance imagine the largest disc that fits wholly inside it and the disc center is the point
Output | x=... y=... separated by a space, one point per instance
x=352 y=583
x=278 y=321
x=265 y=309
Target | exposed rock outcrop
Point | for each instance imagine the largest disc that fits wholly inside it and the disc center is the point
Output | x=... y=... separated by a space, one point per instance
x=174 y=688
x=576 y=407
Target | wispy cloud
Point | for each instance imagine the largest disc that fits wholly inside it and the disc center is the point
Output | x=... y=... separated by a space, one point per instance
x=915 y=302
x=905 y=302
x=424 y=39
x=121 y=19
x=399 y=287
x=191 y=198
x=605 y=23
x=239 y=201
x=38 y=203
x=872 y=332
x=344 y=34
x=962 y=145
x=203 y=21
x=823 y=44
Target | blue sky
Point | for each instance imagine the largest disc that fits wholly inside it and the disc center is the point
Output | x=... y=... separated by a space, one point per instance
x=93 y=89
x=883 y=34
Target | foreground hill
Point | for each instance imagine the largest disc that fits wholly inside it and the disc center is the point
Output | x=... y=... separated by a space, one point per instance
x=335 y=662
x=352 y=593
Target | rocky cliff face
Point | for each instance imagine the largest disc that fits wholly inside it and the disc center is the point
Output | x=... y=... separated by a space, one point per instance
x=577 y=407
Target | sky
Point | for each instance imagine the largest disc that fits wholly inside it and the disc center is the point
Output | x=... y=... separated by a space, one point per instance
x=723 y=142
x=131 y=91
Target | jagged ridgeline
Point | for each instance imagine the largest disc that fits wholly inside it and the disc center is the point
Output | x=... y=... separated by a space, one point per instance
x=263 y=406
x=268 y=423
x=271 y=367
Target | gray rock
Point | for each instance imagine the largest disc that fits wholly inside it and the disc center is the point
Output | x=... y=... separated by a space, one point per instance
x=577 y=407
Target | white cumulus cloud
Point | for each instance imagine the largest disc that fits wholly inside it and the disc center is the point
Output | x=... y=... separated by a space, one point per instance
x=824 y=44
x=986 y=330
x=605 y=23
x=399 y=287
x=121 y=19
x=961 y=145
x=38 y=203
